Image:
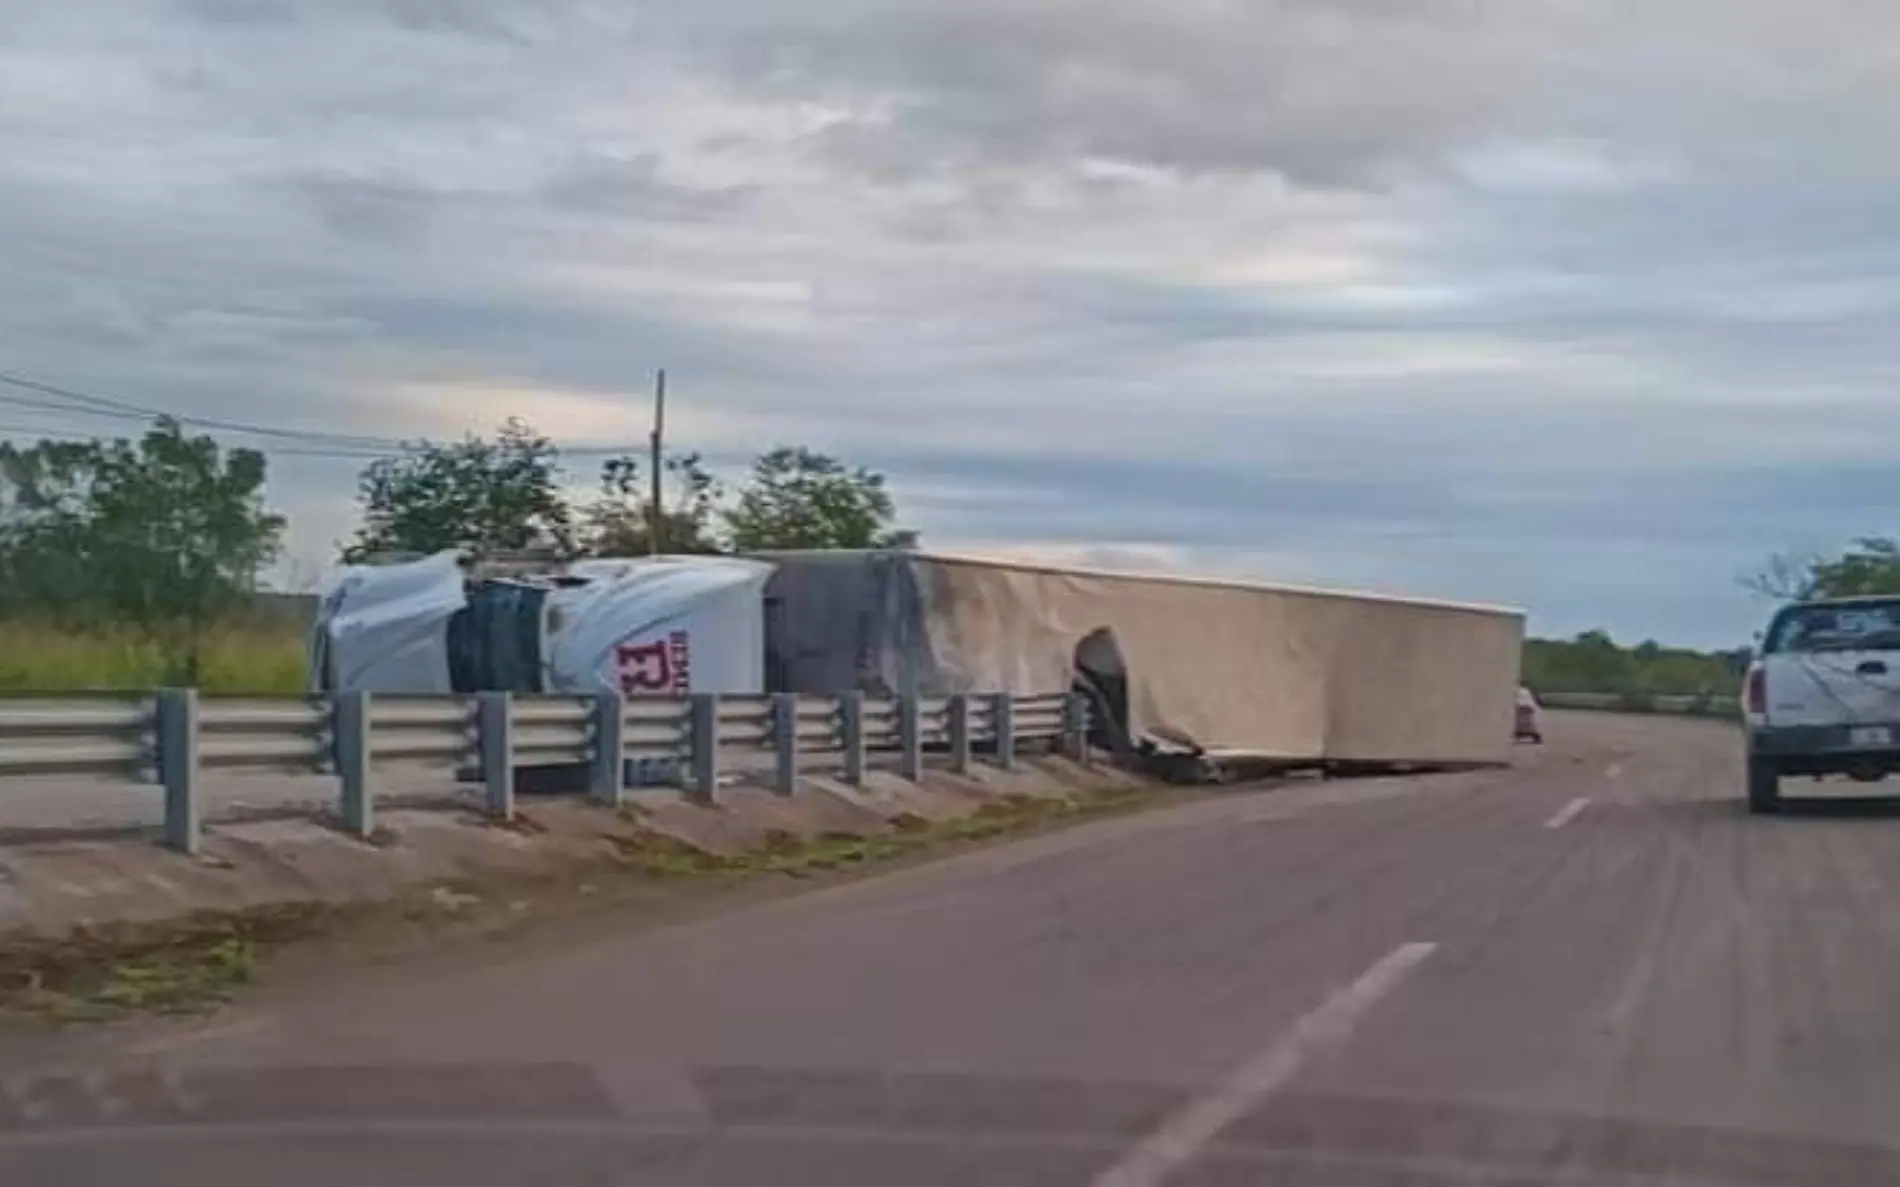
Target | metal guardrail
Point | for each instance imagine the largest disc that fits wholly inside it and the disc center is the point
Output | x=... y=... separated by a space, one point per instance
x=175 y=735
x=1617 y=702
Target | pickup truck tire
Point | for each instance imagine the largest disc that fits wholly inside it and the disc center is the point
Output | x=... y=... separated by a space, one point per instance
x=1764 y=786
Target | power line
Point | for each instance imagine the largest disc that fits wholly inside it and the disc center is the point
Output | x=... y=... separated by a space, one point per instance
x=32 y=405
x=73 y=396
x=103 y=406
x=324 y=444
x=363 y=453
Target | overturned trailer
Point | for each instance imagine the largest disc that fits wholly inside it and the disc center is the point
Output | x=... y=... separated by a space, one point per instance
x=1182 y=673
x=1227 y=672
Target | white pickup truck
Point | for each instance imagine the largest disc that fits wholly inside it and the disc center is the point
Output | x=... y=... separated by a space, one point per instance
x=1822 y=696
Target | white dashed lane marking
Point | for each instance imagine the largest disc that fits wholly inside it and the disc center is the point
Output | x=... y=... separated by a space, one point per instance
x=1569 y=812
x=1186 y=1133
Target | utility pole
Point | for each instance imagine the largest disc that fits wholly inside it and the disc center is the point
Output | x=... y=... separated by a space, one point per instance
x=656 y=531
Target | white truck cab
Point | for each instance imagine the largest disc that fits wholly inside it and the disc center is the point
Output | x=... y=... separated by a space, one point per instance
x=1822 y=695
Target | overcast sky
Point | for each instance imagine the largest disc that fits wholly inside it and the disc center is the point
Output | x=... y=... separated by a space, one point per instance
x=1569 y=304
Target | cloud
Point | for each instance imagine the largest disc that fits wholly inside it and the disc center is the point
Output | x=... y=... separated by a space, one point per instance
x=1578 y=306
x=637 y=188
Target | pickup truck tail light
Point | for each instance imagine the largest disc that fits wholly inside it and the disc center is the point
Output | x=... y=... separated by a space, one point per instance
x=1755 y=690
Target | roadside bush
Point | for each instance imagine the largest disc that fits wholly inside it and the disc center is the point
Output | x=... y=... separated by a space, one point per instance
x=37 y=656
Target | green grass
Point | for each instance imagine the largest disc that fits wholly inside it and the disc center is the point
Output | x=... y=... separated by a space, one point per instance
x=171 y=983
x=38 y=657
x=660 y=856
x=185 y=967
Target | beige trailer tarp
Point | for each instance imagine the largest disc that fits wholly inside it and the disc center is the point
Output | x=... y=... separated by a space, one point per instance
x=1216 y=666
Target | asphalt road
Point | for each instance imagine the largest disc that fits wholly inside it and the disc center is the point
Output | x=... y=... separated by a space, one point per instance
x=1592 y=969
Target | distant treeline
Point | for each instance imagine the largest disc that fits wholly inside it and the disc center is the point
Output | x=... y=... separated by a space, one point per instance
x=1594 y=662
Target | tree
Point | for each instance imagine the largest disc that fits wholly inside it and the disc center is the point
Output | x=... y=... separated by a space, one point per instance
x=619 y=522
x=1594 y=662
x=1871 y=565
x=1783 y=577
x=798 y=499
x=477 y=496
x=482 y=497
x=168 y=535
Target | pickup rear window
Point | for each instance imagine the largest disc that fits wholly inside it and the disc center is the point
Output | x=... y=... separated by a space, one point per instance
x=1861 y=626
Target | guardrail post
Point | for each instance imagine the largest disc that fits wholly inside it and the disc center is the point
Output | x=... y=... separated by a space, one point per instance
x=610 y=748
x=495 y=735
x=910 y=736
x=328 y=749
x=851 y=734
x=350 y=718
x=1075 y=727
x=960 y=734
x=703 y=738
x=176 y=722
x=1003 y=727
x=785 y=741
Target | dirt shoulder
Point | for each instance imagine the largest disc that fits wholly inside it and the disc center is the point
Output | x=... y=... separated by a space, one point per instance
x=294 y=901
